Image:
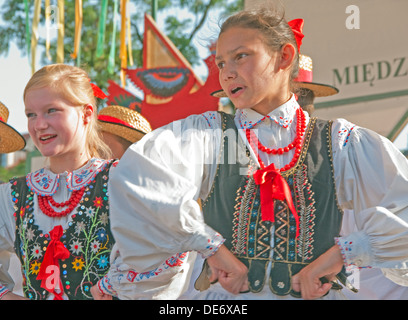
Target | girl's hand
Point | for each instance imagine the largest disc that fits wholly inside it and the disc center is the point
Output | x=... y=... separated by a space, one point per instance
x=12 y=296
x=98 y=295
x=231 y=273
x=307 y=281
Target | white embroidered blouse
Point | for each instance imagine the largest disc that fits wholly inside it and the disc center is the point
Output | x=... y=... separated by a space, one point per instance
x=155 y=188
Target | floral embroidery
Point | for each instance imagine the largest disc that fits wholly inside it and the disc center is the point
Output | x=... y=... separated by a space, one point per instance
x=284 y=122
x=76 y=247
x=36 y=251
x=98 y=202
x=209 y=116
x=87 y=237
x=174 y=261
x=84 y=176
x=95 y=245
x=78 y=264
x=45 y=183
x=103 y=261
x=344 y=133
x=35 y=267
x=212 y=245
x=105 y=286
x=283 y=116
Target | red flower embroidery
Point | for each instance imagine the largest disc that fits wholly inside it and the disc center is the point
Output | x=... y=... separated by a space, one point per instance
x=176 y=261
x=98 y=202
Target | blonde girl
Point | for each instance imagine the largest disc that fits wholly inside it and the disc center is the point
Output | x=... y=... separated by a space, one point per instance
x=56 y=218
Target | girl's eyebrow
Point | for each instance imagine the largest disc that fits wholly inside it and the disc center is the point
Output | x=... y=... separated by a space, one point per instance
x=229 y=52
x=48 y=105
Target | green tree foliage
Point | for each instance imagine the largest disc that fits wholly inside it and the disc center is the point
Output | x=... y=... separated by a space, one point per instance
x=180 y=29
x=17 y=171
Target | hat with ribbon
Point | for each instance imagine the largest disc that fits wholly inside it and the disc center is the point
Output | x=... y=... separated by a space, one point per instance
x=10 y=139
x=124 y=122
x=305 y=79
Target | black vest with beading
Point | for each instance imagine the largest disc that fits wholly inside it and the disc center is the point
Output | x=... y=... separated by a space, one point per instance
x=88 y=239
x=233 y=209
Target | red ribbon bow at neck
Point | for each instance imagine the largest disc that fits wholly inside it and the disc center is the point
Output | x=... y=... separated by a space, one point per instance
x=49 y=271
x=273 y=187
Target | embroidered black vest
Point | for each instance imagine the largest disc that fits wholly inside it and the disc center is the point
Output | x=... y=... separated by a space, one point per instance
x=233 y=209
x=88 y=239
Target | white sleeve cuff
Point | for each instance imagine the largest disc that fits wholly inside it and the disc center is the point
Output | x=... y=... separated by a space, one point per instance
x=356 y=249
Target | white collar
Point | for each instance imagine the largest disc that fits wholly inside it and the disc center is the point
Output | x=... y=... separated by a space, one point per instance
x=283 y=115
x=45 y=183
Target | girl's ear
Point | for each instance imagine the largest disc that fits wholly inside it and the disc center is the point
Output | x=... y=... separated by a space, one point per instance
x=288 y=53
x=88 y=113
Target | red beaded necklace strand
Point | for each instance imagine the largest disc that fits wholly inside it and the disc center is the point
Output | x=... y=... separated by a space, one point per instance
x=296 y=143
x=45 y=201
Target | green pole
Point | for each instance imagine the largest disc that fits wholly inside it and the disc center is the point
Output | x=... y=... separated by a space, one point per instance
x=154 y=9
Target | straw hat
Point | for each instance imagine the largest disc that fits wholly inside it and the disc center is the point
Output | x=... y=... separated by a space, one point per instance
x=124 y=122
x=303 y=80
x=10 y=139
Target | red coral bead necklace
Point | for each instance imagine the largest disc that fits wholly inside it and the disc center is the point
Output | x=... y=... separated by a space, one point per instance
x=45 y=203
x=296 y=143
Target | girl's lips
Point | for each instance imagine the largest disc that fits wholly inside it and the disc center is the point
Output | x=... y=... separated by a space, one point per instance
x=236 y=91
x=47 y=138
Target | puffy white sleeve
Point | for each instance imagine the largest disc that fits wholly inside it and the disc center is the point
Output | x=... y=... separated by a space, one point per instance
x=153 y=196
x=371 y=177
x=7 y=236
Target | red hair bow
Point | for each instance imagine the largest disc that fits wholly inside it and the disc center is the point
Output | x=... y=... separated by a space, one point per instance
x=98 y=91
x=297 y=28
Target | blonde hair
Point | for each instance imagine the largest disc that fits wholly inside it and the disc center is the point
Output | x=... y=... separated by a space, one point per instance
x=273 y=27
x=73 y=84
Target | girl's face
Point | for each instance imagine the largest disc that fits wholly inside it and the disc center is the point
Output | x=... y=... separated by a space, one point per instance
x=251 y=75
x=58 y=128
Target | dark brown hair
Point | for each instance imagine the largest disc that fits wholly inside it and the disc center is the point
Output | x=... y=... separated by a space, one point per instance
x=273 y=27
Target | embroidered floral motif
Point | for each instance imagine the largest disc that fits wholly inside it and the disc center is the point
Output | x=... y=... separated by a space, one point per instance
x=36 y=251
x=78 y=264
x=103 y=261
x=284 y=122
x=76 y=247
x=35 y=267
x=344 y=133
x=105 y=286
x=174 y=261
x=82 y=177
x=87 y=237
x=98 y=202
x=209 y=116
x=283 y=116
x=45 y=183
